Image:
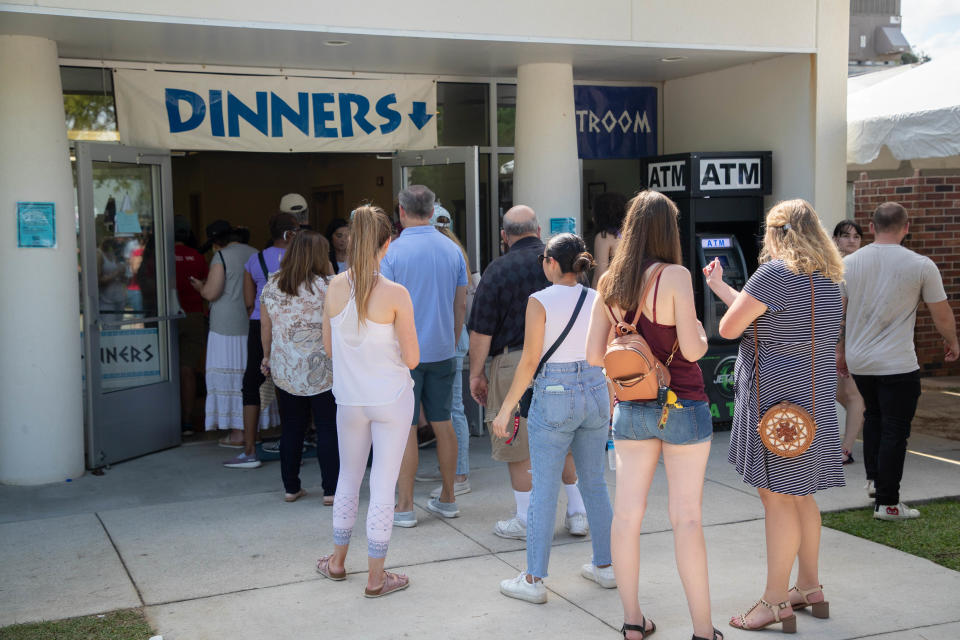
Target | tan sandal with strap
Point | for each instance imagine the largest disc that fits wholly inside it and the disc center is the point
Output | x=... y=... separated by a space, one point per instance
x=788 y=624
x=391 y=582
x=819 y=609
x=323 y=568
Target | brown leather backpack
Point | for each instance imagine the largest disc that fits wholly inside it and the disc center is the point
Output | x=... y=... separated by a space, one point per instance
x=629 y=364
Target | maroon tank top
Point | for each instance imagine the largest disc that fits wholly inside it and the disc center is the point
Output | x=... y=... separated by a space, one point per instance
x=686 y=378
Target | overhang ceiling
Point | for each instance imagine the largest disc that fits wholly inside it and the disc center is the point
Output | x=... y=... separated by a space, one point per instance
x=170 y=42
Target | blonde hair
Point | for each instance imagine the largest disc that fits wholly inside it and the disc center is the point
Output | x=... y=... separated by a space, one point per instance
x=370 y=229
x=445 y=231
x=794 y=234
x=307 y=258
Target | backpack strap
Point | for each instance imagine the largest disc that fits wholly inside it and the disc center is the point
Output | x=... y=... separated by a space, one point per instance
x=630 y=318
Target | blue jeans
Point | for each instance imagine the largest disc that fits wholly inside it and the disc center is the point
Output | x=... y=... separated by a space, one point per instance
x=459 y=419
x=570 y=412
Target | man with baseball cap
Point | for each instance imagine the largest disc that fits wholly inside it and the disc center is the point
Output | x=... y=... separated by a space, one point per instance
x=297 y=205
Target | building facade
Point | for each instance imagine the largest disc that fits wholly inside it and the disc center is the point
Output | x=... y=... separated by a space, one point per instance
x=500 y=85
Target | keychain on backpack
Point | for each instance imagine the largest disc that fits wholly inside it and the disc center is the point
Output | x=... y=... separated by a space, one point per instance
x=670 y=401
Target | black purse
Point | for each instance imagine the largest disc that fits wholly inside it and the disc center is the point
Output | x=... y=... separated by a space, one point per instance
x=523 y=407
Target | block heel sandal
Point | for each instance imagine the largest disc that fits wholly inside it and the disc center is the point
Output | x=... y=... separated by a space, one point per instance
x=818 y=609
x=787 y=624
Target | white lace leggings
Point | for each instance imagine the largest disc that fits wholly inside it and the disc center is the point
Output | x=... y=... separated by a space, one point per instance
x=387 y=428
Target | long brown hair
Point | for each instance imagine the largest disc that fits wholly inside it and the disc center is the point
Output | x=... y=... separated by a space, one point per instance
x=307 y=257
x=445 y=231
x=794 y=234
x=649 y=232
x=370 y=229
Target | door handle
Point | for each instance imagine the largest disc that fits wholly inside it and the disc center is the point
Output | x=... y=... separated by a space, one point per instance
x=121 y=323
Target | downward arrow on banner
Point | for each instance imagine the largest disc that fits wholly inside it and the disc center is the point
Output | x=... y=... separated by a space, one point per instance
x=419 y=116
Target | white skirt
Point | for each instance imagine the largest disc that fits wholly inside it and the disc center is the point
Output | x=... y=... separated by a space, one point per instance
x=226 y=362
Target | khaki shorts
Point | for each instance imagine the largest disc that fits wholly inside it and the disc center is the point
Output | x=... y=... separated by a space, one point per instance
x=502 y=368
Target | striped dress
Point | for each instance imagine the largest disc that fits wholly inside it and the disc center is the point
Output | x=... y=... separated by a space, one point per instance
x=784 y=334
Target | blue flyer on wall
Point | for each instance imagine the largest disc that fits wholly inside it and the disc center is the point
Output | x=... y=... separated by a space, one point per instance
x=562 y=225
x=36 y=224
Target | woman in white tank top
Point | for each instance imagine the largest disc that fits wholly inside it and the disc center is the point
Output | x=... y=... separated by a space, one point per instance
x=570 y=411
x=369 y=330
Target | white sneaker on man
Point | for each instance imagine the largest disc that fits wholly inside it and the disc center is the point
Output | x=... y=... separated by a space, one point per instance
x=520 y=589
x=603 y=577
x=871 y=489
x=513 y=529
x=577 y=524
x=459 y=488
x=898 y=511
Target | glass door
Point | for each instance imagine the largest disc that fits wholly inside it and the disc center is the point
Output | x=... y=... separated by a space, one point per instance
x=128 y=285
x=451 y=173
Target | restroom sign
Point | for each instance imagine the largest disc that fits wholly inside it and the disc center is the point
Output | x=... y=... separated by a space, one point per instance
x=730 y=174
x=275 y=113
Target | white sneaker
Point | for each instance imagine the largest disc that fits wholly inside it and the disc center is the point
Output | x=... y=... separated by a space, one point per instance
x=520 y=589
x=459 y=488
x=404 y=519
x=513 y=528
x=603 y=577
x=577 y=524
x=898 y=511
x=871 y=489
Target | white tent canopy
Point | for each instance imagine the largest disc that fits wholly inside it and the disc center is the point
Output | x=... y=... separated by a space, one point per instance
x=915 y=114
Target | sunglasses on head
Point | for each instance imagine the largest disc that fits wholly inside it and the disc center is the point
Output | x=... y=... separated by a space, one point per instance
x=541 y=258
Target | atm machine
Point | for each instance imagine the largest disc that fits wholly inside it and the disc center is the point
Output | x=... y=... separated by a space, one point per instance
x=720 y=197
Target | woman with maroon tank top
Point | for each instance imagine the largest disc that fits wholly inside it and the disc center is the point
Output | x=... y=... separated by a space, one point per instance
x=647 y=285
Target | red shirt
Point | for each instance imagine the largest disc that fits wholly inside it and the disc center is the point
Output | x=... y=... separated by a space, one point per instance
x=189 y=263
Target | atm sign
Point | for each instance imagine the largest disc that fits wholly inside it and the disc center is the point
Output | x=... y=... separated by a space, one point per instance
x=727 y=174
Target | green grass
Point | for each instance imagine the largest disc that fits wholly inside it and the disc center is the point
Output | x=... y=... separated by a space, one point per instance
x=127 y=624
x=932 y=536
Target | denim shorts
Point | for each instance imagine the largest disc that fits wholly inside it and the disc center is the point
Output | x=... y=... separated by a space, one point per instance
x=692 y=424
x=433 y=387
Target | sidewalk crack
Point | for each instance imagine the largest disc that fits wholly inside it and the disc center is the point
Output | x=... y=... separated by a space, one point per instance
x=123 y=562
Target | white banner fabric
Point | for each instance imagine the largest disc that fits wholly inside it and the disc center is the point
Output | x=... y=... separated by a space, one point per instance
x=274 y=114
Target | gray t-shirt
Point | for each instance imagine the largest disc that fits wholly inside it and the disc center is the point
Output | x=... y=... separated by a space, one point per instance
x=228 y=313
x=884 y=284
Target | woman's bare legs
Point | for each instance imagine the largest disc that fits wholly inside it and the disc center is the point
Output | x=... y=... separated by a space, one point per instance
x=636 y=463
x=685 y=466
x=808 y=575
x=782 y=525
x=849 y=397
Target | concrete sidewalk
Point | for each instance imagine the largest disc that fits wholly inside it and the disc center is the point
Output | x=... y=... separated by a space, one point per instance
x=214 y=553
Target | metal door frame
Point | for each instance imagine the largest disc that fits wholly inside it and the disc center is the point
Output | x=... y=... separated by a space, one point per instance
x=168 y=305
x=468 y=157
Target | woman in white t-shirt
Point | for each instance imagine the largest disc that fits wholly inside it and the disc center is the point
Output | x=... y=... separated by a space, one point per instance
x=570 y=411
x=291 y=330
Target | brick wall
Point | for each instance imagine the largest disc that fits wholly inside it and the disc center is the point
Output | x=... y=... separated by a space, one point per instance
x=933 y=204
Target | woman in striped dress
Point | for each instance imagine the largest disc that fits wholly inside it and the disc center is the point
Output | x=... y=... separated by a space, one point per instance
x=777 y=297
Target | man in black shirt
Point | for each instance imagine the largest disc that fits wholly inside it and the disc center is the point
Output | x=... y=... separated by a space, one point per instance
x=496 y=327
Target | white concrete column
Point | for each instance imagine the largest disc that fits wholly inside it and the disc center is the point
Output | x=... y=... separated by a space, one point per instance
x=546 y=172
x=41 y=408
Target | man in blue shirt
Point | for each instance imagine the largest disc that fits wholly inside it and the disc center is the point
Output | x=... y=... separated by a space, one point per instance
x=432 y=269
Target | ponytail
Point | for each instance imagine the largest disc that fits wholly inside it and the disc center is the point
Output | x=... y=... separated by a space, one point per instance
x=369 y=230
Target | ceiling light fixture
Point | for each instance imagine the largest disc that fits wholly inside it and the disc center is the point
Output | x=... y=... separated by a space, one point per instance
x=336 y=43
x=673 y=58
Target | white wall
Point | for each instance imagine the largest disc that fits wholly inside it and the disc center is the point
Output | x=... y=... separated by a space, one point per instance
x=760 y=23
x=763 y=106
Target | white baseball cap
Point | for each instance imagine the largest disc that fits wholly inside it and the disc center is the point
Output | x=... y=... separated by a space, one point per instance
x=293 y=203
x=441 y=217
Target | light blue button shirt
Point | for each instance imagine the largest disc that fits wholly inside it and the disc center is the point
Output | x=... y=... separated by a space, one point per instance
x=431 y=267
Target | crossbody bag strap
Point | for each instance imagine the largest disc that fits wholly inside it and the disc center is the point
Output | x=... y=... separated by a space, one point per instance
x=263 y=266
x=563 y=334
x=224 y=263
x=813 y=355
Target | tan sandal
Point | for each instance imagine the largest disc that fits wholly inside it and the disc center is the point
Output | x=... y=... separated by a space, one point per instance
x=788 y=623
x=323 y=568
x=293 y=497
x=391 y=582
x=819 y=609
x=328 y=501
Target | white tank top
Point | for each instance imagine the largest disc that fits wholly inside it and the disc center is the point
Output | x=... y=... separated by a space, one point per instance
x=367 y=368
x=559 y=301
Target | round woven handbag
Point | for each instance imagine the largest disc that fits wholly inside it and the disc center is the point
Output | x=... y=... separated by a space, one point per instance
x=786 y=429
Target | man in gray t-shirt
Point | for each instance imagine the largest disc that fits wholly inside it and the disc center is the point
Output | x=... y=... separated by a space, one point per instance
x=884 y=284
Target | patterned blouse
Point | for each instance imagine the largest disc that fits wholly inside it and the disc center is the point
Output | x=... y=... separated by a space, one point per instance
x=298 y=362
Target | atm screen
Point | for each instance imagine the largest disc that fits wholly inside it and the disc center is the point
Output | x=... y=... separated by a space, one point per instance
x=724 y=262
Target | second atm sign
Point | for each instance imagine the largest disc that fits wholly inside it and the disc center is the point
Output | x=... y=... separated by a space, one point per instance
x=715 y=174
